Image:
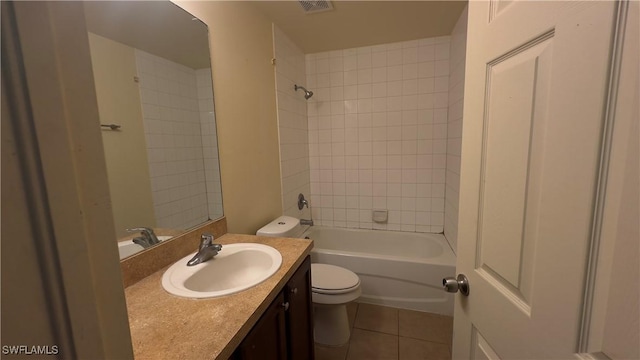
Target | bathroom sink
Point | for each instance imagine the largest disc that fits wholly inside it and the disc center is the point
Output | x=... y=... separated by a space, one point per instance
x=128 y=247
x=237 y=267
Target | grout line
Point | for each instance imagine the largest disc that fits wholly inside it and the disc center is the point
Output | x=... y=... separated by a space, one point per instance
x=431 y=341
x=346 y=355
x=398 y=328
x=398 y=336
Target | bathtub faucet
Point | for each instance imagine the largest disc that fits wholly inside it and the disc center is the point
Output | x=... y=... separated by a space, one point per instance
x=302 y=202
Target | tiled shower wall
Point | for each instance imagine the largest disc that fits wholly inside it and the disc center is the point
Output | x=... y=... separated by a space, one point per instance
x=378 y=134
x=292 y=124
x=174 y=142
x=454 y=131
x=209 y=142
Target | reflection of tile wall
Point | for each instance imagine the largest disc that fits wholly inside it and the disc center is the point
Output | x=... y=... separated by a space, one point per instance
x=292 y=124
x=378 y=134
x=454 y=131
x=209 y=142
x=174 y=142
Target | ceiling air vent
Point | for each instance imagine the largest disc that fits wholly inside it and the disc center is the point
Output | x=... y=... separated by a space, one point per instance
x=315 y=6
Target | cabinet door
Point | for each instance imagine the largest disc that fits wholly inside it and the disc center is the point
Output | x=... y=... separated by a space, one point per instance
x=299 y=317
x=267 y=340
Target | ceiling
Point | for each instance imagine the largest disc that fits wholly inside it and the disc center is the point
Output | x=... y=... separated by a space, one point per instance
x=157 y=27
x=362 y=23
x=163 y=29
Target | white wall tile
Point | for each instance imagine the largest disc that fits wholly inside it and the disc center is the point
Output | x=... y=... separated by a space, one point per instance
x=388 y=149
x=177 y=106
x=210 y=145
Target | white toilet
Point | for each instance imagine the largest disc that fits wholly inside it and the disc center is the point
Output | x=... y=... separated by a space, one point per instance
x=332 y=288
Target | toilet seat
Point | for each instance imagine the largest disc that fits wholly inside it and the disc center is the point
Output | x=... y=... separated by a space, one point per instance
x=331 y=279
x=334 y=292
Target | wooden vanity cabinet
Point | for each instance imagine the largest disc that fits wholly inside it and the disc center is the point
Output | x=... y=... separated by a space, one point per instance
x=285 y=330
x=268 y=338
x=299 y=317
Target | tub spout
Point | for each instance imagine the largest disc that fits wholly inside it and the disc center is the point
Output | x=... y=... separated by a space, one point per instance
x=304 y=222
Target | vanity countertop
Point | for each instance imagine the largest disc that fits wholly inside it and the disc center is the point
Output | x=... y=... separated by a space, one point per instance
x=164 y=326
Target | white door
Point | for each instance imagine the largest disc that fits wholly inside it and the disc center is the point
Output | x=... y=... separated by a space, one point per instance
x=536 y=84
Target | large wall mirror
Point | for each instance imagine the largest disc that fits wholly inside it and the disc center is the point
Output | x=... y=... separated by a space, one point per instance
x=153 y=83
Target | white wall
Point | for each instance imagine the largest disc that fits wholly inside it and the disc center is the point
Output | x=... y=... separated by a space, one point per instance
x=241 y=45
x=454 y=128
x=292 y=124
x=125 y=151
x=377 y=134
x=209 y=143
x=171 y=116
x=53 y=96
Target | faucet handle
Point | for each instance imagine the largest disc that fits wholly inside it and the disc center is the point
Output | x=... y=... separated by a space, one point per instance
x=206 y=239
x=147 y=233
x=141 y=229
x=302 y=202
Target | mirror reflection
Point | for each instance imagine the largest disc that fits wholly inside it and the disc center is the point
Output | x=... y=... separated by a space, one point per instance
x=153 y=83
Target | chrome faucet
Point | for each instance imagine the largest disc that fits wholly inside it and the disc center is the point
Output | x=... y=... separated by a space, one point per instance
x=302 y=202
x=147 y=239
x=206 y=250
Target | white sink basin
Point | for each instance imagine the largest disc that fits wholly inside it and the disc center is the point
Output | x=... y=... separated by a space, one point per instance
x=128 y=247
x=237 y=267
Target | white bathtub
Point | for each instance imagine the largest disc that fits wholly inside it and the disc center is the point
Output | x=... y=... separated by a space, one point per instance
x=397 y=269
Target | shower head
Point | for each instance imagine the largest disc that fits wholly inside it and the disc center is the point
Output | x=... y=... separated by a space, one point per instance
x=307 y=93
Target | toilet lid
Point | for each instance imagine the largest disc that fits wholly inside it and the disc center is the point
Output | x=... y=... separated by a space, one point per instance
x=330 y=278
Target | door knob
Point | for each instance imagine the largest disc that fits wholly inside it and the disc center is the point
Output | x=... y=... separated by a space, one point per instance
x=461 y=283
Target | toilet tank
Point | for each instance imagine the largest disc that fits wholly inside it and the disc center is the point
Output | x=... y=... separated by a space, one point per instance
x=284 y=226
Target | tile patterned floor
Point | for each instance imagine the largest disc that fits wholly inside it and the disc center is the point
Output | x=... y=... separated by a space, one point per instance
x=384 y=333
